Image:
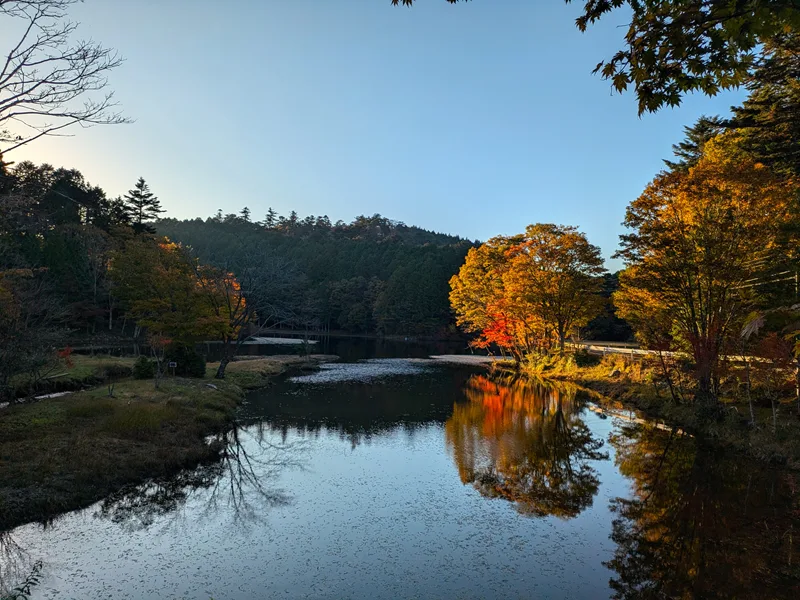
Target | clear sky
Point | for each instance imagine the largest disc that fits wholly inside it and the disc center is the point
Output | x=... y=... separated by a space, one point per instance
x=474 y=119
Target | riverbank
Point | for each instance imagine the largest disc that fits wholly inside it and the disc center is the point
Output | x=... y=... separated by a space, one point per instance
x=620 y=383
x=63 y=453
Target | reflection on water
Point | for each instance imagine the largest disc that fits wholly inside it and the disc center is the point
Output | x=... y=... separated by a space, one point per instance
x=525 y=442
x=360 y=400
x=700 y=524
x=384 y=487
x=240 y=483
x=15 y=563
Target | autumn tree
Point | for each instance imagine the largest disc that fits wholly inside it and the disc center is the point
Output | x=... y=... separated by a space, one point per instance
x=695 y=243
x=673 y=47
x=556 y=272
x=156 y=284
x=522 y=292
x=478 y=297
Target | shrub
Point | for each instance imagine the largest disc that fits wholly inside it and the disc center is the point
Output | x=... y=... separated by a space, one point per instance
x=117 y=371
x=144 y=368
x=584 y=359
x=189 y=362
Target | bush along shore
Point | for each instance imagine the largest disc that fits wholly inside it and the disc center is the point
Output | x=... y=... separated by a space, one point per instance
x=63 y=453
x=750 y=414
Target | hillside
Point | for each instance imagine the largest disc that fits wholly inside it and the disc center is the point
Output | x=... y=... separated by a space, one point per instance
x=372 y=275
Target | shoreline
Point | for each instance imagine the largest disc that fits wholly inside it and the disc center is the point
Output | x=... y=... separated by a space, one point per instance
x=64 y=453
x=611 y=386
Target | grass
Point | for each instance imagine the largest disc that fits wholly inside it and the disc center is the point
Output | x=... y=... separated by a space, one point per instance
x=623 y=382
x=84 y=371
x=64 y=453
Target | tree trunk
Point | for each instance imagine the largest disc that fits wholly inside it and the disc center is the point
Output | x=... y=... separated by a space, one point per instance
x=221 y=370
x=797 y=384
x=749 y=394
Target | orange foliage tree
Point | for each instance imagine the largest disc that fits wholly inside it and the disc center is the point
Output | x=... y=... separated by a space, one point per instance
x=697 y=238
x=524 y=293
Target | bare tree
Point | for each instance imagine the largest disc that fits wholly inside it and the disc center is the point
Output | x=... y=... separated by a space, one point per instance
x=49 y=82
x=249 y=295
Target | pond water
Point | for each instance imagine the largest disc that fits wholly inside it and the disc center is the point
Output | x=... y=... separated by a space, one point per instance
x=406 y=478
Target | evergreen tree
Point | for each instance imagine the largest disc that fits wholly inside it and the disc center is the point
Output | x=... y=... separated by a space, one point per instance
x=770 y=117
x=245 y=214
x=271 y=219
x=143 y=206
x=689 y=151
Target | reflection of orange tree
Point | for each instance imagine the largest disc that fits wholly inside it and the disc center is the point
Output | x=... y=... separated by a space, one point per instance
x=699 y=524
x=525 y=442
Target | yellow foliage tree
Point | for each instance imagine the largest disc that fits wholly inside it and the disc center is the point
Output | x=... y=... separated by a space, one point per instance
x=157 y=284
x=554 y=273
x=697 y=238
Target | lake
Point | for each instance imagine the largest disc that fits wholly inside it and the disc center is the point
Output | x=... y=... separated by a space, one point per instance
x=408 y=478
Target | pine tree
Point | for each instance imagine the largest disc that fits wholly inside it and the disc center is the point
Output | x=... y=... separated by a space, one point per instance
x=271 y=219
x=143 y=206
x=689 y=151
x=245 y=214
x=770 y=117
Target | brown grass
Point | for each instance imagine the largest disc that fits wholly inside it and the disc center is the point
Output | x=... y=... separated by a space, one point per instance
x=622 y=382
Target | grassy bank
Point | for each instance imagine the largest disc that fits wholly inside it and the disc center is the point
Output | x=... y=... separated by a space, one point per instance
x=63 y=453
x=621 y=382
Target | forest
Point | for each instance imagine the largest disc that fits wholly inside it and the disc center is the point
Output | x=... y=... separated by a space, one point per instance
x=372 y=275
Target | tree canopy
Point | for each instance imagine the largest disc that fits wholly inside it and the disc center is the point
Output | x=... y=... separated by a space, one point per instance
x=698 y=238
x=524 y=292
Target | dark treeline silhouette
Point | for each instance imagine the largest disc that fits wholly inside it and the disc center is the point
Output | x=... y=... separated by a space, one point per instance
x=372 y=275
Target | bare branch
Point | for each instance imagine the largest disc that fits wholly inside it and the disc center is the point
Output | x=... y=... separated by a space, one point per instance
x=48 y=81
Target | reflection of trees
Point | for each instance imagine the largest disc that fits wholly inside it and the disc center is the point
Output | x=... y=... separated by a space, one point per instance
x=15 y=563
x=239 y=480
x=526 y=443
x=701 y=524
x=359 y=411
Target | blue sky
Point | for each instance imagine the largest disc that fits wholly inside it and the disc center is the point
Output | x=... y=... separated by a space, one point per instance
x=474 y=119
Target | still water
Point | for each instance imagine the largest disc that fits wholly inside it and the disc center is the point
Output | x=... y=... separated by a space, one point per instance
x=404 y=478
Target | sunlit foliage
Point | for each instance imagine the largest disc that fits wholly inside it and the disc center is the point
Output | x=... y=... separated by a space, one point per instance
x=528 y=292
x=697 y=238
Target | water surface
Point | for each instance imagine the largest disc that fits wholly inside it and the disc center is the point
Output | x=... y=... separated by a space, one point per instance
x=405 y=478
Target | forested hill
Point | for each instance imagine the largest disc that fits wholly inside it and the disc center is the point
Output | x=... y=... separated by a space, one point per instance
x=372 y=275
